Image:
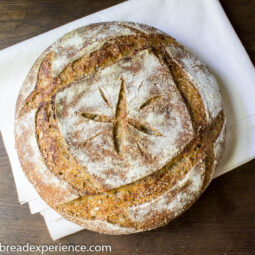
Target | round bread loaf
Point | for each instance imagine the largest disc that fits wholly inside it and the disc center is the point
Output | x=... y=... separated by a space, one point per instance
x=118 y=127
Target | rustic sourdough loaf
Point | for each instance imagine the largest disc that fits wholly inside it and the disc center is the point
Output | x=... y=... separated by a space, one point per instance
x=119 y=127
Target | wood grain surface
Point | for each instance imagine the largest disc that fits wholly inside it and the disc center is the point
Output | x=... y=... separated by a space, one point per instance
x=223 y=219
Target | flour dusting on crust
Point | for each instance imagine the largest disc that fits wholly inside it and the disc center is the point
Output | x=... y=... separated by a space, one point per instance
x=102 y=226
x=34 y=165
x=200 y=77
x=84 y=41
x=219 y=147
x=144 y=153
x=173 y=201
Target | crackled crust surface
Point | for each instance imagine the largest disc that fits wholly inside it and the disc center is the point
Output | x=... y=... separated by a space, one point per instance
x=119 y=127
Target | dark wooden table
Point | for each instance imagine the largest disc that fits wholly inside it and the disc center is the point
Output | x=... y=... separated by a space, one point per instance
x=221 y=222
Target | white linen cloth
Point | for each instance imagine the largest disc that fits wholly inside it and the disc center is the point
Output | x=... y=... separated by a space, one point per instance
x=200 y=25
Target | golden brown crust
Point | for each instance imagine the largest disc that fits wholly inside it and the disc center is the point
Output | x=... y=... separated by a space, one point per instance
x=144 y=203
x=50 y=188
x=111 y=205
x=57 y=157
x=190 y=94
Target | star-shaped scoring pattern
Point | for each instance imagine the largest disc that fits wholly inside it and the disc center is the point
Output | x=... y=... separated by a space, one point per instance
x=121 y=119
x=123 y=130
